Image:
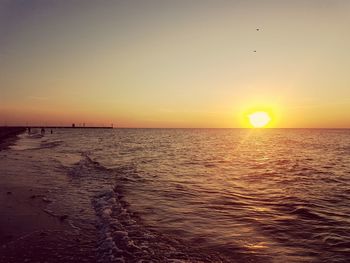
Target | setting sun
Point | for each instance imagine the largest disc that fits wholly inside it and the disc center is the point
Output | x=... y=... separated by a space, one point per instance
x=259 y=119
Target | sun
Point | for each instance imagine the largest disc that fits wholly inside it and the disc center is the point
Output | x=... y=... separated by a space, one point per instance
x=259 y=119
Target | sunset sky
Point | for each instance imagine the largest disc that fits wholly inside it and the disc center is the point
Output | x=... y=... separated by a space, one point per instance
x=174 y=63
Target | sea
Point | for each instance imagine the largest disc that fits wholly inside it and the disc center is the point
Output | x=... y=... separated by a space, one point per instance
x=198 y=195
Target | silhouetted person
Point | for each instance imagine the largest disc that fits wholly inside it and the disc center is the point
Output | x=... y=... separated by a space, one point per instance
x=51 y=131
x=42 y=131
x=28 y=130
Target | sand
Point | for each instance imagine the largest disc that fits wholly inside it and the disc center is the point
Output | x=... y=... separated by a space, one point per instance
x=29 y=232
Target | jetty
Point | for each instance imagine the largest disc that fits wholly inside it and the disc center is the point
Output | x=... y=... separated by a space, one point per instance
x=14 y=128
x=67 y=127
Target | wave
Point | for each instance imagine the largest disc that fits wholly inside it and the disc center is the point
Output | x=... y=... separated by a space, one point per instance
x=50 y=144
x=85 y=166
x=306 y=213
x=122 y=237
x=35 y=136
x=34 y=142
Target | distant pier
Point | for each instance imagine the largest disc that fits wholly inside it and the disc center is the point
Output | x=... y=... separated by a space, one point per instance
x=66 y=127
x=8 y=128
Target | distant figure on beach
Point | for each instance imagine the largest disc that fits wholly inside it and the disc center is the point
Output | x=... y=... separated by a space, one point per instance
x=42 y=131
x=28 y=130
x=51 y=131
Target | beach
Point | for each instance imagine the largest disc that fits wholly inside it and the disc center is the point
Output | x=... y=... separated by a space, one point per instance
x=174 y=131
x=62 y=206
x=29 y=231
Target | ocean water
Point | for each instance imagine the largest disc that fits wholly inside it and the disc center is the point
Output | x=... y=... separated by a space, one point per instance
x=199 y=195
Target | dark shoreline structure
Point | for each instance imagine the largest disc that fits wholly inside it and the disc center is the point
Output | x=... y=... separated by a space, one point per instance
x=53 y=127
x=8 y=135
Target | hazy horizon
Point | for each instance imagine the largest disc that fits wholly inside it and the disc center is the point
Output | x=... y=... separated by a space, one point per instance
x=176 y=64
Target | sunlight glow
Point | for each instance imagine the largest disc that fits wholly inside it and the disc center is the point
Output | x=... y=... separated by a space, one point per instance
x=259 y=119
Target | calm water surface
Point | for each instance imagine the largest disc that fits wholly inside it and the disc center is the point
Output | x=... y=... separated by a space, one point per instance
x=220 y=195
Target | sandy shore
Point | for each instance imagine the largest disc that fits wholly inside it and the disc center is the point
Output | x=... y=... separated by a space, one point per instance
x=29 y=232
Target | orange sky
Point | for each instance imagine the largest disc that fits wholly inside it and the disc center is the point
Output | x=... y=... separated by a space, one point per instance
x=174 y=63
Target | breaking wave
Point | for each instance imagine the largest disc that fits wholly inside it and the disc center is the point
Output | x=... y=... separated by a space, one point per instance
x=123 y=239
x=122 y=236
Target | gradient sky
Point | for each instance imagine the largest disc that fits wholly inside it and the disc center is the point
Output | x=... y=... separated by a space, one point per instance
x=174 y=63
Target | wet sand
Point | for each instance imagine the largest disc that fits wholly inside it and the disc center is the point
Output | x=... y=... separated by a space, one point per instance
x=29 y=232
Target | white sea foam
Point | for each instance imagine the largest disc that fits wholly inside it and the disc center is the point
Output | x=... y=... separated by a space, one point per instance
x=123 y=239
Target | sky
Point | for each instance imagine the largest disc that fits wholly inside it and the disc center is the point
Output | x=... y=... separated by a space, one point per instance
x=161 y=63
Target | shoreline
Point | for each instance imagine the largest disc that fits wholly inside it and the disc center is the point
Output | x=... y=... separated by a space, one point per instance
x=29 y=231
x=8 y=135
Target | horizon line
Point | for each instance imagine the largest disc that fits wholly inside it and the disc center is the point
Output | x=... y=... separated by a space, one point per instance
x=110 y=127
